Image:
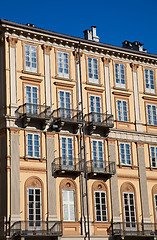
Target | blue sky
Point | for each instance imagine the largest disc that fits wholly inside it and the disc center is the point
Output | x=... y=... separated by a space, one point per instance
x=116 y=21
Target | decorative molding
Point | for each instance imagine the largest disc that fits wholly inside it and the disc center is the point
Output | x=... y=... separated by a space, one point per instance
x=46 y=48
x=106 y=61
x=76 y=55
x=134 y=66
x=151 y=98
x=64 y=84
x=111 y=141
x=139 y=144
x=32 y=169
x=31 y=79
x=15 y=130
x=94 y=89
x=12 y=41
x=50 y=134
x=121 y=93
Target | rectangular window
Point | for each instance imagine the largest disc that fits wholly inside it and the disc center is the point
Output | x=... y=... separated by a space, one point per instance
x=65 y=104
x=125 y=153
x=151 y=114
x=93 y=75
x=34 y=208
x=122 y=110
x=153 y=154
x=120 y=75
x=149 y=80
x=97 y=153
x=100 y=206
x=67 y=151
x=30 y=58
x=33 y=145
x=95 y=108
x=31 y=99
x=68 y=205
x=129 y=211
x=63 y=64
x=155 y=203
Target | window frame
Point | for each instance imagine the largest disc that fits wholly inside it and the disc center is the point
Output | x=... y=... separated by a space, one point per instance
x=73 y=148
x=37 y=58
x=106 y=209
x=125 y=75
x=26 y=148
x=151 y=165
x=147 y=119
x=119 y=149
x=103 y=152
x=69 y=64
x=69 y=220
x=93 y=82
x=144 y=81
x=128 y=110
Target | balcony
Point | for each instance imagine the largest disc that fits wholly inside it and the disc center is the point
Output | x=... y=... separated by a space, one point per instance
x=97 y=168
x=99 y=121
x=67 y=166
x=36 y=229
x=66 y=117
x=133 y=229
x=33 y=114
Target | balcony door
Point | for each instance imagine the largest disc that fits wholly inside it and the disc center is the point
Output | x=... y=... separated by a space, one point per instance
x=65 y=104
x=95 y=108
x=129 y=211
x=34 y=208
x=67 y=158
x=31 y=99
x=98 y=155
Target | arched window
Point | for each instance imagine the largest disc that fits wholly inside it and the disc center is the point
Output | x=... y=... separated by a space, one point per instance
x=128 y=203
x=68 y=200
x=100 y=202
x=34 y=202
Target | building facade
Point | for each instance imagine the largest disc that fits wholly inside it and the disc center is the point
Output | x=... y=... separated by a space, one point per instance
x=78 y=137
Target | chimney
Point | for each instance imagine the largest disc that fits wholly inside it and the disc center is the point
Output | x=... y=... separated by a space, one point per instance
x=134 y=46
x=91 y=34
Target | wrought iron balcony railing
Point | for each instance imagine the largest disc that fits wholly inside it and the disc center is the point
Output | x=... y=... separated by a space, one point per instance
x=133 y=229
x=38 y=228
x=33 y=111
x=67 y=114
x=95 y=167
x=100 y=119
x=67 y=165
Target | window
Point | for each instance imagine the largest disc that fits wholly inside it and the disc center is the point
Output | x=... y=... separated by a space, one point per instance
x=149 y=80
x=33 y=145
x=122 y=110
x=93 y=76
x=63 y=64
x=151 y=114
x=97 y=154
x=129 y=211
x=95 y=108
x=67 y=151
x=100 y=206
x=65 y=104
x=120 y=75
x=155 y=204
x=31 y=99
x=68 y=205
x=30 y=58
x=34 y=209
x=153 y=154
x=125 y=153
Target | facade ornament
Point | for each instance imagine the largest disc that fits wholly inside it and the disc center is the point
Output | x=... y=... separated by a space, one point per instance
x=12 y=41
x=106 y=61
x=46 y=48
x=134 y=66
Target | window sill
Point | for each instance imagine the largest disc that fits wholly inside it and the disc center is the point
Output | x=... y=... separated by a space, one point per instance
x=151 y=94
x=122 y=89
x=126 y=166
x=32 y=73
x=34 y=159
x=94 y=84
x=121 y=121
x=62 y=78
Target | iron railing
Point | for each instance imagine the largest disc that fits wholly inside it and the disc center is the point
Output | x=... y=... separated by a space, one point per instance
x=39 y=228
x=103 y=167
x=33 y=111
x=100 y=119
x=67 y=114
x=67 y=164
x=133 y=229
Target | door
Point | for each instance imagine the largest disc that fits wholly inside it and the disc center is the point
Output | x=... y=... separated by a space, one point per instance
x=67 y=152
x=31 y=99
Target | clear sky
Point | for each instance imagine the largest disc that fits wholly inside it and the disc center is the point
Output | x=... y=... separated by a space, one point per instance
x=115 y=20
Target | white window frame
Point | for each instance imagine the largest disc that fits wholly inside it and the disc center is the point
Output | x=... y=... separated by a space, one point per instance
x=125 y=154
x=152 y=122
x=98 y=162
x=68 y=161
x=31 y=68
x=122 y=111
x=34 y=210
x=155 y=205
x=30 y=108
x=101 y=204
x=69 y=204
x=118 y=76
x=33 y=144
x=133 y=225
x=93 y=79
x=155 y=159
x=96 y=116
x=149 y=88
x=62 y=62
